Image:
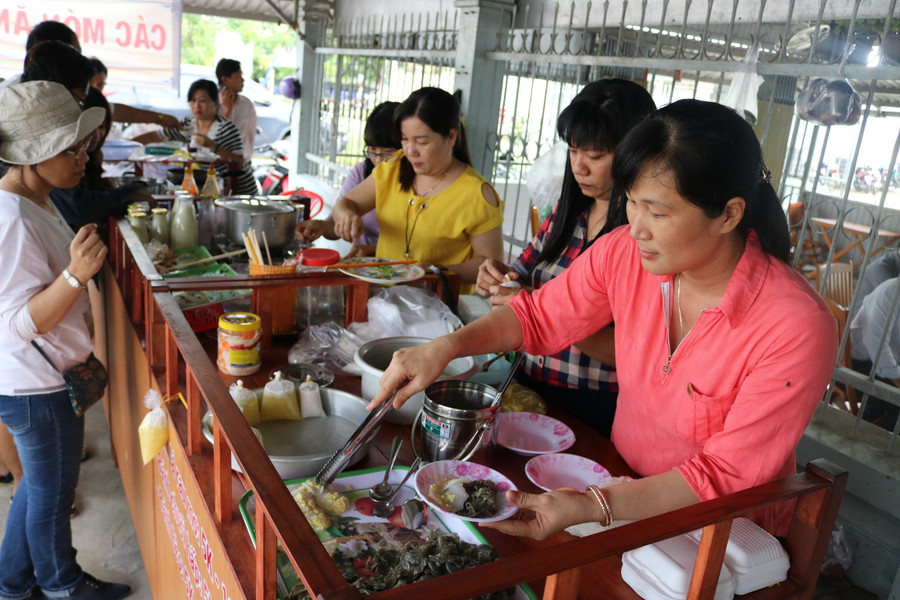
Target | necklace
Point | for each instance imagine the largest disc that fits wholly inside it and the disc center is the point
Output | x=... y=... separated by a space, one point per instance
x=409 y=231
x=666 y=368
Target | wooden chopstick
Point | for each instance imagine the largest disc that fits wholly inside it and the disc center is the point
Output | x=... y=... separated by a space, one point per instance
x=371 y=264
x=266 y=244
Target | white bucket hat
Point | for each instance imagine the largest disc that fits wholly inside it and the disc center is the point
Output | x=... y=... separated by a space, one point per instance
x=40 y=119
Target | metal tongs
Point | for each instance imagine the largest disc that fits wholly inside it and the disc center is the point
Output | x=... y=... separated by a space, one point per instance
x=365 y=432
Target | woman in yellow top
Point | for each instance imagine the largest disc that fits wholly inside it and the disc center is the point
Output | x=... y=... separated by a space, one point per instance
x=432 y=206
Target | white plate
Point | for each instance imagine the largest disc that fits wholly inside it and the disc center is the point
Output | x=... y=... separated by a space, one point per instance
x=391 y=274
x=459 y=468
x=530 y=433
x=553 y=471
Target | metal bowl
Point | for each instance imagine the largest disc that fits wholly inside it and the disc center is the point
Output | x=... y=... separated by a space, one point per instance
x=300 y=448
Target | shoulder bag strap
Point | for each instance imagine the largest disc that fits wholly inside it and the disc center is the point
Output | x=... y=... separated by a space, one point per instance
x=47 y=358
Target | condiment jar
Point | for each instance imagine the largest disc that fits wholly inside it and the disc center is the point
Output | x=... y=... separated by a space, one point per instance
x=279 y=400
x=138 y=222
x=317 y=304
x=310 y=399
x=159 y=226
x=246 y=401
x=238 y=343
x=187 y=182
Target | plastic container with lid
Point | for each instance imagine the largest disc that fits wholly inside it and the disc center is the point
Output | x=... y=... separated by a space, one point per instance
x=317 y=304
x=238 y=347
x=159 y=225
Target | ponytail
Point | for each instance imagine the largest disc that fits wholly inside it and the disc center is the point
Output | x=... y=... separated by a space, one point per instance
x=766 y=217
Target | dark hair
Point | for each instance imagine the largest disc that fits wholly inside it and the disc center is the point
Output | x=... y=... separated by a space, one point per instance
x=93 y=169
x=98 y=65
x=50 y=31
x=379 y=131
x=226 y=68
x=58 y=62
x=713 y=155
x=596 y=119
x=439 y=110
x=204 y=84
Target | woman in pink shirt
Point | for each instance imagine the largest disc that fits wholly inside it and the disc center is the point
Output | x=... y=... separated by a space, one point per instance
x=722 y=350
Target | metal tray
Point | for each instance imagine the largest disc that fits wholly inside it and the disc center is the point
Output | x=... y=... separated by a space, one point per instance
x=301 y=448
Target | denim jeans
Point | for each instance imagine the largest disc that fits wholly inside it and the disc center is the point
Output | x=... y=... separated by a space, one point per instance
x=37 y=546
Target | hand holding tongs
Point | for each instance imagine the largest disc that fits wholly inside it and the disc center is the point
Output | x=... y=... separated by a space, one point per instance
x=365 y=432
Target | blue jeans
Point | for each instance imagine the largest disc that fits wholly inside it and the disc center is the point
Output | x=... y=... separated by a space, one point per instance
x=37 y=546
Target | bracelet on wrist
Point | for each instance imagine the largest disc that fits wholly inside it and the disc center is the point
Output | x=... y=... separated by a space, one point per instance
x=606 y=518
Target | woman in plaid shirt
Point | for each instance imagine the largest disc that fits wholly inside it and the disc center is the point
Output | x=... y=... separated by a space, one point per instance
x=580 y=379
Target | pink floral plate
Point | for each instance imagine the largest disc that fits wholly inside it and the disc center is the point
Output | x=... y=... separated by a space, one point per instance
x=530 y=433
x=444 y=470
x=553 y=471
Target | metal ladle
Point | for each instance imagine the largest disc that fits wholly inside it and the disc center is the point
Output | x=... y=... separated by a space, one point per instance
x=382 y=491
x=384 y=508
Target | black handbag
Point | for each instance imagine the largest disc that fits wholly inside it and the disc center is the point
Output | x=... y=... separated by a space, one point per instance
x=85 y=382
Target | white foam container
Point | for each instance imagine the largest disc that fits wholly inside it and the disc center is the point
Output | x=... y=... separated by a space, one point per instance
x=754 y=556
x=662 y=571
x=754 y=559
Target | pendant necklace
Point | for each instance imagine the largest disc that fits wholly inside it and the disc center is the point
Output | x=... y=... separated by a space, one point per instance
x=409 y=231
x=667 y=367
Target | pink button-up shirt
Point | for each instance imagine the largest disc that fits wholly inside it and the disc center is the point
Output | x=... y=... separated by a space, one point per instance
x=741 y=386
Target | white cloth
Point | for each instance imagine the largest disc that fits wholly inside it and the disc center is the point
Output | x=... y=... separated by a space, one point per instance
x=243 y=115
x=873 y=316
x=35 y=251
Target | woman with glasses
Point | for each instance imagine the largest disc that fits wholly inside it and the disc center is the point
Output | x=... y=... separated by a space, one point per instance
x=380 y=144
x=44 y=136
x=431 y=205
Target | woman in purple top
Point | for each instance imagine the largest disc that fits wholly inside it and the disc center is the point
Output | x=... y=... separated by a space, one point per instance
x=380 y=144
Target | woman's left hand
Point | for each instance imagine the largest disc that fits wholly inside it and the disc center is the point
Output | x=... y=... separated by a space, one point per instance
x=547 y=514
x=198 y=139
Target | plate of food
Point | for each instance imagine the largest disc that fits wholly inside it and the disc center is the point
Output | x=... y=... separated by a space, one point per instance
x=382 y=273
x=553 y=471
x=359 y=542
x=465 y=490
x=532 y=434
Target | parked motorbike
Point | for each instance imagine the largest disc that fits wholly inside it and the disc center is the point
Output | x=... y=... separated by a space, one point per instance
x=271 y=167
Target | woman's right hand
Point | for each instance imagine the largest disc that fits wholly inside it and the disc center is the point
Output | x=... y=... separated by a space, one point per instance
x=86 y=253
x=492 y=274
x=415 y=369
x=309 y=230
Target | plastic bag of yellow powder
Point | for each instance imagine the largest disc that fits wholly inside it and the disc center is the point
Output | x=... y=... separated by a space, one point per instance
x=153 y=431
x=518 y=398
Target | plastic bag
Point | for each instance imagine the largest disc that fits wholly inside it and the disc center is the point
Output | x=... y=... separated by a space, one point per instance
x=545 y=178
x=408 y=311
x=328 y=344
x=246 y=401
x=837 y=559
x=829 y=102
x=279 y=400
x=153 y=432
x=519 y=398
x=745 y=86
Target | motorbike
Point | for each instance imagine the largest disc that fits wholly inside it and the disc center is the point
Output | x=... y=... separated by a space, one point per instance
x=271 y=167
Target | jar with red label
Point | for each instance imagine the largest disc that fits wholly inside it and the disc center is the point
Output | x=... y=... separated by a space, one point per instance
x=238 y=347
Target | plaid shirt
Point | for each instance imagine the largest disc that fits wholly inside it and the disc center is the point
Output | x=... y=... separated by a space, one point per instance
x=568 y=368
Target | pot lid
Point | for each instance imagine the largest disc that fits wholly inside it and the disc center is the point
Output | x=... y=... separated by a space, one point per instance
x=255 y=205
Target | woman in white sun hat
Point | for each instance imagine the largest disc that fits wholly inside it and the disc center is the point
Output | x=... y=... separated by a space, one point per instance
x=43 y=138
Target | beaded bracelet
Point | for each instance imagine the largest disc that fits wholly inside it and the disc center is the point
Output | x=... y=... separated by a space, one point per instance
x=606 y=520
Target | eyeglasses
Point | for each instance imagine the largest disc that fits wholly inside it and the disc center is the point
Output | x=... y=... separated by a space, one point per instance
x=77 y=150
x=373 y=156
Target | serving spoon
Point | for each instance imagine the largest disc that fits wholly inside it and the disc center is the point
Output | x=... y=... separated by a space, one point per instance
x=382 y=491
x=384 y=508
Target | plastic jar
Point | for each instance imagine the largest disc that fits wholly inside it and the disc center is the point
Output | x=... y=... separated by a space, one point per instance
x=159 y=225
x=317 y=304
x=238 y=347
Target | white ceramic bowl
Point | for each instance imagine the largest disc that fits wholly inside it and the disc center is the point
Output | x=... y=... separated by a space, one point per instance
x=374 y=357
x=553 y=471
x=450 y=469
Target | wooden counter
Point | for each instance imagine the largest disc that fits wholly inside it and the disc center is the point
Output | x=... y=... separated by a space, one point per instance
x=184 y=502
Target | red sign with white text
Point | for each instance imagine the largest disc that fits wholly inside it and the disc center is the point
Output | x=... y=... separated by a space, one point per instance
x=138 y=41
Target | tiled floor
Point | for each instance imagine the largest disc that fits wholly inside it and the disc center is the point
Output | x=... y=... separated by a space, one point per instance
x=101 y=529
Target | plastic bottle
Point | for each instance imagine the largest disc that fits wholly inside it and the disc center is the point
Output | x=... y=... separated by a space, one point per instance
x=279 y=400
x=210 y=186
x=159 y=225
x=183 y=231
x=187 y=183
x=310 y=399
x=246 y=401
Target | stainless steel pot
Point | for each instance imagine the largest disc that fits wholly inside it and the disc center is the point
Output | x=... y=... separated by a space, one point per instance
x=276 y=218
